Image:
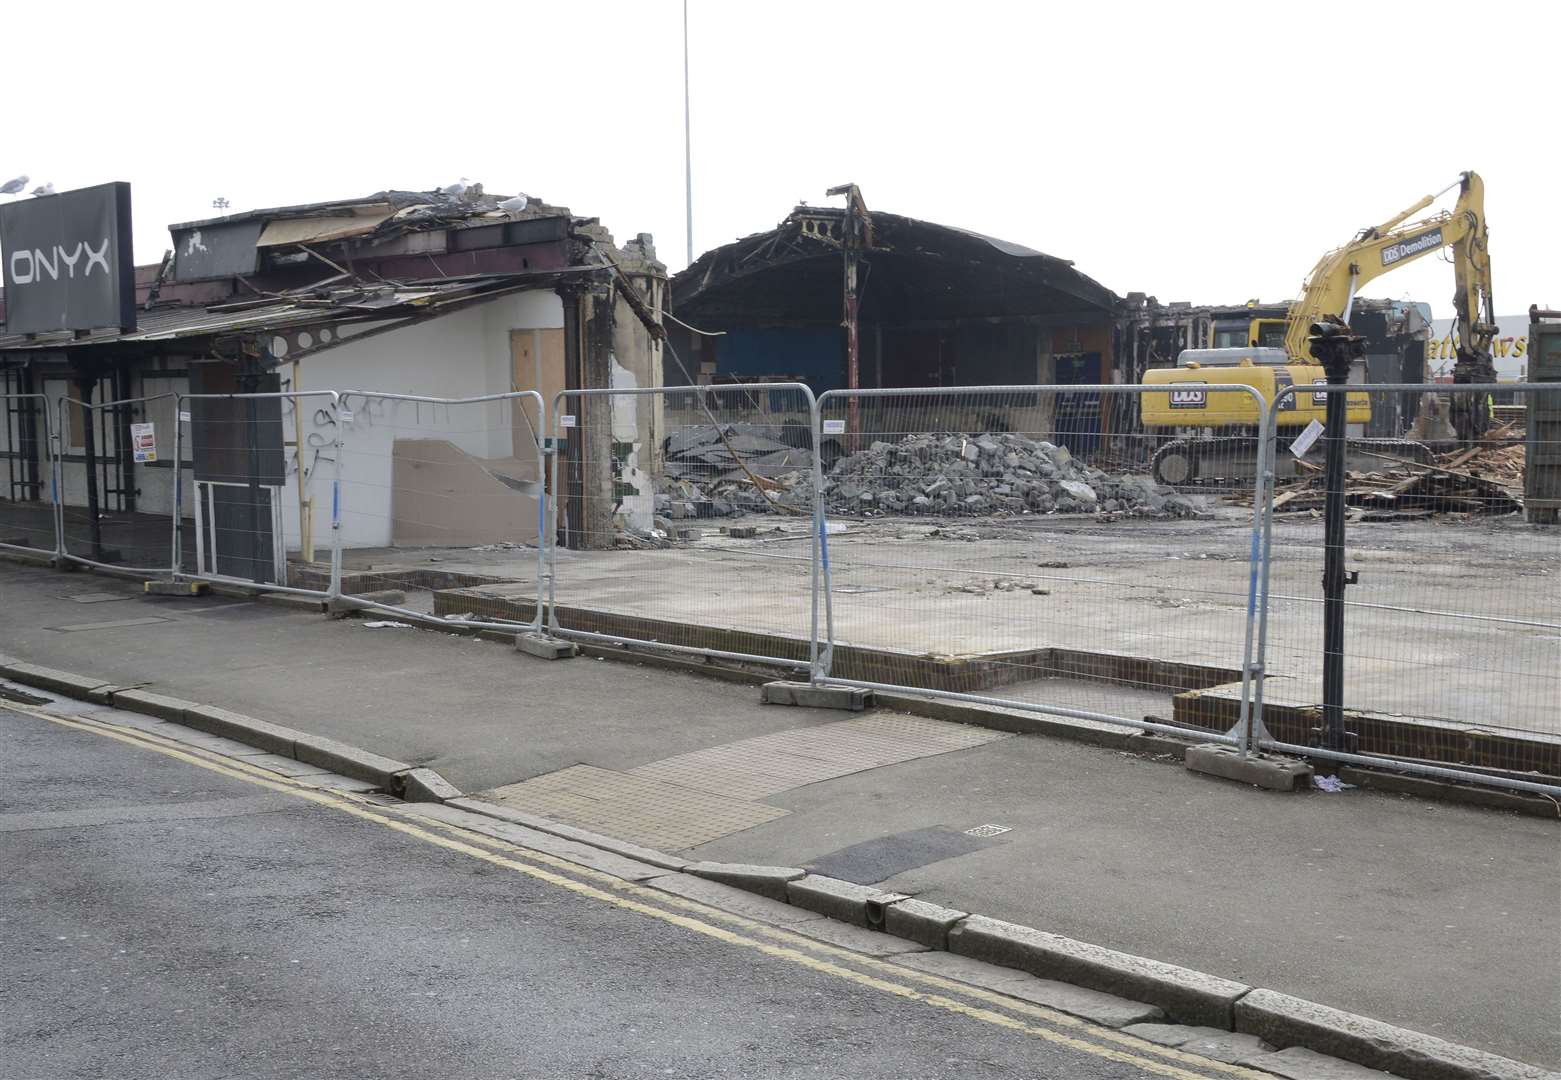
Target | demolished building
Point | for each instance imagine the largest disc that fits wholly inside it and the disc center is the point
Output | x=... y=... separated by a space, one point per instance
x=430 y=293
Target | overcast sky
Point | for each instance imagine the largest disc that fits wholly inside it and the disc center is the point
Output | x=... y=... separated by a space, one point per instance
x=1205 y=152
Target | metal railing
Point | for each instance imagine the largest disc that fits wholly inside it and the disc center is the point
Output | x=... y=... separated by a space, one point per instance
x=970 y=522
x=249 y=486
x=1025 y=548
x=695 y=510
x=1452 y=638
x=445 y=504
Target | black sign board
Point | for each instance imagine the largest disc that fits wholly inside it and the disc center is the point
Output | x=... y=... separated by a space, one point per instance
x=66 y=261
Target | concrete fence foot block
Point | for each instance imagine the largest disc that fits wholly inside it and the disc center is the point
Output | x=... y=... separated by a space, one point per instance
x=770 y=881
x=843 y=900
x=425 y=785
x=1190 y=997
x=176 y=588
x=1263 y=770
x=1293 y=1022
x=545 y=647
x=849 y=698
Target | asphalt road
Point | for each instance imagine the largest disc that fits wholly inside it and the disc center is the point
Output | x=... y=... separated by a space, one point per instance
x=160 y=917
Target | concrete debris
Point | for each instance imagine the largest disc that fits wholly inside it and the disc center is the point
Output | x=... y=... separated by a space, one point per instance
x=946 y=474
x=982 y=475
x=701 y=476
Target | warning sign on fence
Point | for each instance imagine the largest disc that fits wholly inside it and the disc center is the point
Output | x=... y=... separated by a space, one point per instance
x=143 y=440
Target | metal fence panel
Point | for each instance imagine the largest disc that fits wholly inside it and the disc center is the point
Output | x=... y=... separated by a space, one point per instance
x=118 y=482
x=686 y=518
x=1452 y=621
x=29 y=497
x=259 y=501
x=1013 y=546
x=444 y=504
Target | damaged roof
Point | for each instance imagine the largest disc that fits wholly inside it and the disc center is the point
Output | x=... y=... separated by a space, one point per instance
x=324 y=305
x=912 y=271
x=394 y=255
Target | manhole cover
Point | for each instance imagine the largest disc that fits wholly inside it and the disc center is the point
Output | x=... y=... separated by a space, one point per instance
x=988 y=830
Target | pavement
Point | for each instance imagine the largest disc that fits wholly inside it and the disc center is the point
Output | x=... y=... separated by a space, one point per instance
x=1422 y=914
x=170 y=916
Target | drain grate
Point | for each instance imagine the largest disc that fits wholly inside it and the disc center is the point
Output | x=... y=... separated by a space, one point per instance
x=988 y=830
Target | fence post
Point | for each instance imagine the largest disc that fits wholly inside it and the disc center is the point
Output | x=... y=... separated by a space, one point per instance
x=1334 y=345
x=178 y=486
x=819 y=652
x=333 y=590
x=1262 y=493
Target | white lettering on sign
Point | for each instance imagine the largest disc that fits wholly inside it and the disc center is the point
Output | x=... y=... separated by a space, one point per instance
x=37 y=263
x=184 y=416
x=1395 y=253
x=834 y=427
x=1189 y=397
x=1307 y=439
x=1319 y=397
x=567 y=420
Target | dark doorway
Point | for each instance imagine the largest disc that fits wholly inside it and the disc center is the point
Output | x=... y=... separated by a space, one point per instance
x=1078 y=413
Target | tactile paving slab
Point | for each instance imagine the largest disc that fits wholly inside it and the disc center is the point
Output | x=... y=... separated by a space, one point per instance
x=641 y=809
x=767 y=764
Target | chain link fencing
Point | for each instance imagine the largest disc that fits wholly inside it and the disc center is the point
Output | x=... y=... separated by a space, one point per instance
x=29 y=499
x=1452 y=612
x=686 y=518
x=443 y=507
x=1025 y=547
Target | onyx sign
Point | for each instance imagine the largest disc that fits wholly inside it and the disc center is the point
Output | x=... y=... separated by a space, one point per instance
x=67 y=261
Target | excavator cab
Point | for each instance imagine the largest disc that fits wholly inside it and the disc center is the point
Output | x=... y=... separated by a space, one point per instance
x=1248 y=334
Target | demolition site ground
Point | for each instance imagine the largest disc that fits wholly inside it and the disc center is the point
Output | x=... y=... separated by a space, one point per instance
x=1451 y=619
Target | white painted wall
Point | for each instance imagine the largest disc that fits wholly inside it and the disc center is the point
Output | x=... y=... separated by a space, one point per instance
x=466 y=354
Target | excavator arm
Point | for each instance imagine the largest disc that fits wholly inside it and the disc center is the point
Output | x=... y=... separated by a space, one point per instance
x=1337 y=278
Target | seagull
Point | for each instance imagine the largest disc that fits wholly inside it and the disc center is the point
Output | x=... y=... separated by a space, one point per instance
x=14 y=185
x=44 y=189
x=515 y=203
x=457 y=188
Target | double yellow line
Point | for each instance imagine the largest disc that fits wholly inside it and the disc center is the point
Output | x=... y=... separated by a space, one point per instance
x=867 y=972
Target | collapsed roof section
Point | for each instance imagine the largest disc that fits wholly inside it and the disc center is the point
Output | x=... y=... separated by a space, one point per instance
x=281 y=282
x=913 y=272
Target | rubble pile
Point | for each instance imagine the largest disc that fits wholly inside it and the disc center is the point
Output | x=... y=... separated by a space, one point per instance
x=1486 y=479
x=979 y=475
x=701 y=477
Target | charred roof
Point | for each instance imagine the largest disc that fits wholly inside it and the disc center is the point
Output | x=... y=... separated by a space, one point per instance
x=912 y=271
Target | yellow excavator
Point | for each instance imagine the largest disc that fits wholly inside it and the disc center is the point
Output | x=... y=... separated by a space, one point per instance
x=1330 y=289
